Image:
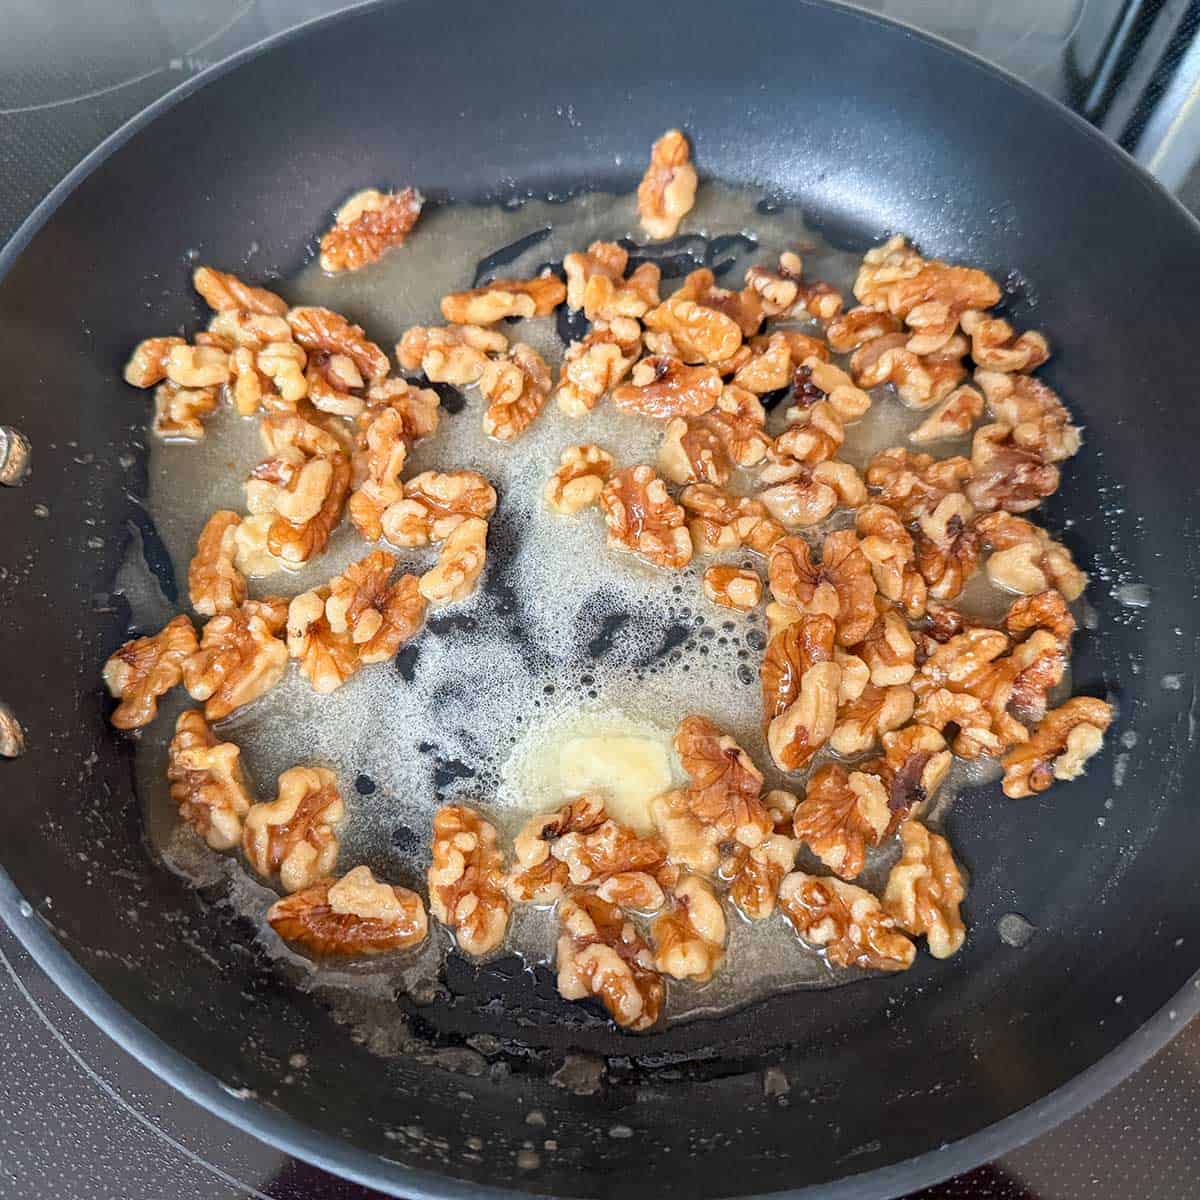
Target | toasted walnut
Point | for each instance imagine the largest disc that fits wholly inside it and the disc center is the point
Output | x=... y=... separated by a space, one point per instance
x=367 y=225
x=690 y=842
x=466 y=879
x=353 y=916
x=668 y=188
x=842 y=814
x=996 y=346
x=846 y=922
x=335 y=384
x=377 y=467
x=689 y=941
x=948 y=548
x=594 y=366
x=254 y=559
x=248 y=386
x=777 y=290
x=282 y=364
x=858 y=326
x=1042 y=610
x=754 y=874
x=538 y=877
x=505 y=298
x=1006 y=475
x=642 y=518
x=240 y=657
x=238 y=328
x=179 y=412
x=976 y=736
x=738 y=420
x=456 y=354
x=888 y=649
x=607 y=259
x=955 y=417
x=856 y=675
x=1026 y=559
x=596 y=852
x=206 y=781
x=841 y=585
x=875 y=711
x=601 y=954
x=319 y=329
x=297 y=541
x=816 y=381
x=143 y=669
x=888 y=547
x=147 y=364
x=692 y=453
x=579 y=480
x=725 y=785
x=744 y=308
x=963 y=660
x=816 y=435
x=460 y=564
x=377 y=614
x=197 y=366
x=327 y=659
x=1039 y=421
x=222 y=291
x=293 y=835
x=924 y=890
x=215 y=585
x=718 y=520
x=920 y=380
x=810 y=494
x=700 y=334
x=769 y=368
x=516 y=389
x=801 y=685
x=664 y=387
x=435 y=504
x=733 y=587
x=914 y=484
x=634 y=891
x=1060 y=746
x=914 y=765
x=417 y=408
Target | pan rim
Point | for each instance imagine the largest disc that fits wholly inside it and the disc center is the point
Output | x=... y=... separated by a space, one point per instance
x=339 y=1157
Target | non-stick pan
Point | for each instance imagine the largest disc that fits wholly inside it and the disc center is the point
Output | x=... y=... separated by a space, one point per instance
x=866 y=1090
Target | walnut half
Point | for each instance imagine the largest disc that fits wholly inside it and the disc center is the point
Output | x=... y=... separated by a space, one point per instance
x=466 y=879
x=368 y=224
x=239 y=658
x=668 y=189
x=642 y=518
x=143 y=669
x=924 y=890
x=215 y=585
x=293 y=834
x=689 y=940
x=579 y=480
x=1059 y=748
x=206 y=782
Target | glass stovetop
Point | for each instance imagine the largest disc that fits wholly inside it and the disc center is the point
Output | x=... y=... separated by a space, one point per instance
x=80 y=1119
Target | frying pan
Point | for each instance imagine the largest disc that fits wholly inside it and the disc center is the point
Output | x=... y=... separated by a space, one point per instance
x=867 y=1090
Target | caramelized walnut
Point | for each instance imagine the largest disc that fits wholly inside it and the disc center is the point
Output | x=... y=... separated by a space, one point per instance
x=579 y=480
x=353 y=916
x=460 y=564
x=662 y=386
x=145 y=668
x=996 y=346
x=754 y=874
x=689 y=940
x=455 y=354
x=955 y=417
x=816 y=381
x=367 y=225
x=282 y=365
x=888 y=649
x=505 y=298
x=179 y=412
x=690 y=842
x=466 y=879
x=744 y=308
x=700 y=334
x=215 y=585
x=725 y=785
x=816 y=435
x=733 y=587
x=206 y=781
x=435 y=504
x=1026 y=559
x=859 y=326
x=606 y=260
x=801 y=685
x=914 y=765
x=1007 y=475
x=378 y=615
x=634 y=891
x=1059 y=748
x=240 y=657
x=841 y=585
x=594 y=366
x=147 y=364
x=888 y=547
x=1038 y=419
x=293 y=835
x=376 y=472
x=320 y=330
x=516 y=389
x=963 y=660
x=807 y=495
x=948 y=548
x=924 y=890
x=770 y=366
x=538 y=877
x=297 y=541
x=914 y=484
x=594 y=852
x=842 y=814
x=642 y=518
x=668 y=188
x=777 y=290
x=692 y=453
x=1042 y=610
x=738 y=420
x=600 y=953
x=846 y=922
x=875 y=711
x=920 y=380
x=222 y=291
x=718 y=520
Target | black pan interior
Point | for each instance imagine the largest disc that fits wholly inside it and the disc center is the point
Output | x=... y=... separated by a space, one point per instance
x=871 y=129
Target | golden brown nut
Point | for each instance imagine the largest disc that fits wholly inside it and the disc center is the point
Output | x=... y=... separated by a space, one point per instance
x=282 y=365
x=668 y=188
x=725 y=785
x=456 y=574
x=143 y=669
x=955 y=417
x=805 y=495
x=770 y=366
x=505 y=298
x=842 y=814
x=418 y=409
x=662 y=387
x=755 y=873
x=888 y=547
x=888 y=650
x=924 y=890
x=376 y=471
x=689 y=940
x=593 y=853
x=690 y=842
x=378 y=614
x=914 y=765
x=179 y=412
x=1042 y=610
x=692 y=453
x=642 y=518
x=841 y=585
x=846 y=922
x=594 y=366
x=634 y=891
x=222 y=291
x=1025 y=559
x=456 y=354
x=147 y=364
x=600 y=953
x=1038 y=419
x=435 y=504
x=579 y=480
x=920 y=380
x=237 y=328
x=319 y=329
x=516 y=389
x=816 y=381
x=700 y=334
x=718 y=520
x=240 y=657
x=914 y=484
x=744 y=308
x=293 y=835
x=537 y=877
x=858 y=326
x=948 y=547
x=215 y=585
x=367 y=225
x=353 y=916
x=327 y=659
x=206 y=781
x=816 y=435
x=733 y=587
x=297 y=541
x=466 y=879
x=996 y=346
x=1059 y=748
x=1006 y=475
x=874 y=712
